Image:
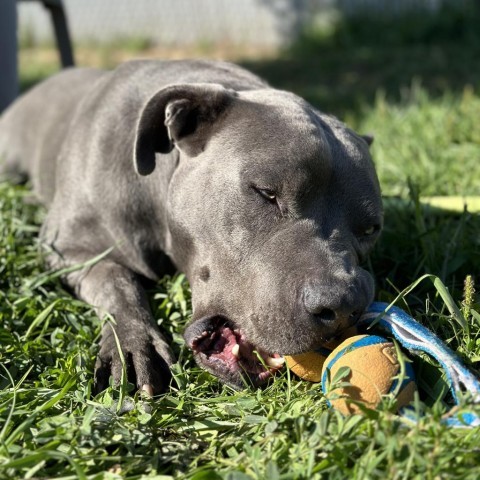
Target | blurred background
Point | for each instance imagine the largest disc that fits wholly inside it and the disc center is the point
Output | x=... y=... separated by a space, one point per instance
x=337 y=53
x=406 y=71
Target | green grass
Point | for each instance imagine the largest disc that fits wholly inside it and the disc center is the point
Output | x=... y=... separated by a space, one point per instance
x=436 y=142
x=425 y=120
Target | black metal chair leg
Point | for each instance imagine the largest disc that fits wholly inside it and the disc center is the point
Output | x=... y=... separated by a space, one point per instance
x=62 y=34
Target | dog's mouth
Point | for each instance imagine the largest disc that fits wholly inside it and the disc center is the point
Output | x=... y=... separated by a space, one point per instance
x=222 y=349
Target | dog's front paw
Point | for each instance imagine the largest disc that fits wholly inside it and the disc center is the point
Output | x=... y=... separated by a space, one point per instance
x=147 y=359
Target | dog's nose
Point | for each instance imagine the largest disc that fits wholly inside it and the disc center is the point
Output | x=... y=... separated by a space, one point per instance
x=333 y=306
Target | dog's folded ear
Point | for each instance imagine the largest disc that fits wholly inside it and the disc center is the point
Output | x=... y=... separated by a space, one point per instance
x=368 y=138
x=180 y=116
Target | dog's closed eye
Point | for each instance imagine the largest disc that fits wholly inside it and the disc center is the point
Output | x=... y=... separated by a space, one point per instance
x=267 y=194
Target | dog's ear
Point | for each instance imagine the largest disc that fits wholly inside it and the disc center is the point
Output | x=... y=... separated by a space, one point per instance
x=368 y=138
x=178 y=116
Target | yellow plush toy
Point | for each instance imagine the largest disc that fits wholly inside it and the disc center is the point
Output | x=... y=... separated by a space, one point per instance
x=308 y=366
x=374 y=372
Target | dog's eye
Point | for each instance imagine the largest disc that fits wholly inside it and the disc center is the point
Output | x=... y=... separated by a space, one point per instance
x=267 y=194
x=371 y=230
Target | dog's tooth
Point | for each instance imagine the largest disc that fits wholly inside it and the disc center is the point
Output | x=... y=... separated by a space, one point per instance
x=275 y=362
x=148 y=390
x=236 y=350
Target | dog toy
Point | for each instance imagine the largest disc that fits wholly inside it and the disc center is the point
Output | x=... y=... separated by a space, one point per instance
x=414 y=337
x=374 y=371
x=308 y=366
x=411 y=335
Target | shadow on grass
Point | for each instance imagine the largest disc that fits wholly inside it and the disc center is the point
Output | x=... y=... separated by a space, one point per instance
x=343 y=69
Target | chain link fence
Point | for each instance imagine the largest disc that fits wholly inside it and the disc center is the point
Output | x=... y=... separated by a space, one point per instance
x=173 y=22
x=263 y=23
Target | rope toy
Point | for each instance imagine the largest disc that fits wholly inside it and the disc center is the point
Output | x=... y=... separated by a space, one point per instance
x=373 y=374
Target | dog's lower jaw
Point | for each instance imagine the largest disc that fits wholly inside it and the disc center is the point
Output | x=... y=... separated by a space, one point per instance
x=223 y=350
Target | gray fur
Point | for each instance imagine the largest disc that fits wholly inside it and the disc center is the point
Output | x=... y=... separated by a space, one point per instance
x=166 y=162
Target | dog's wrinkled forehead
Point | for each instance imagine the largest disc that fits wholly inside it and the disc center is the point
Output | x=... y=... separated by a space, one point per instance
x=297 y=134
x=281 y=116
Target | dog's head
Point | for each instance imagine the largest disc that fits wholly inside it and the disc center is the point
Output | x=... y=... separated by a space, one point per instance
x=271 y=209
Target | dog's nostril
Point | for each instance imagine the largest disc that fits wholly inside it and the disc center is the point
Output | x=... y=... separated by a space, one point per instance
x=326 y=314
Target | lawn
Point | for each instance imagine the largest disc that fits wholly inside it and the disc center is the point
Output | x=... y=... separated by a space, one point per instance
x=420 y=96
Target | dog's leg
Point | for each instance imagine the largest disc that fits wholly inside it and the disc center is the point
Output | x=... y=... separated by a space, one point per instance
x=114 y=289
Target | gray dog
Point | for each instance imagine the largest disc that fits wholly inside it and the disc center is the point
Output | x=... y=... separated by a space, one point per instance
x=265 y=203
